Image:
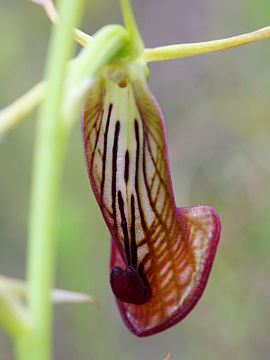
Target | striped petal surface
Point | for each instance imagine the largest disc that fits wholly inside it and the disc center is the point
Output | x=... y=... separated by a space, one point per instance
x=161 y=255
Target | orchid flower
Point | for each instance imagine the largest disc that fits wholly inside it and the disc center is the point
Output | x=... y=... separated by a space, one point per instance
x=161 y=255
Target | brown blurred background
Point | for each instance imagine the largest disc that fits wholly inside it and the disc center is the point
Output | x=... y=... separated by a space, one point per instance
x=217 y=111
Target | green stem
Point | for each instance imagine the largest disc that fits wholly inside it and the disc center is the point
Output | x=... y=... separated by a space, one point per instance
x=49 y=148
x=132 y=28
x=184 y=50
x=52 y=133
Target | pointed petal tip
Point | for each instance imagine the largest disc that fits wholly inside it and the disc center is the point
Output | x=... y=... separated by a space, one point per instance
x=60 y=296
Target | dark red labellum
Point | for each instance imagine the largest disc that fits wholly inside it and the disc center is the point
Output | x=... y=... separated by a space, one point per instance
x=128 y=286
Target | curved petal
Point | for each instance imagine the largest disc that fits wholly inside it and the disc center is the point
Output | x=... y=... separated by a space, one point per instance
x=177 y=282
x=161 y=256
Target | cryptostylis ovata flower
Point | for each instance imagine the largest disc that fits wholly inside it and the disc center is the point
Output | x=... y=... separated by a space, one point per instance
x=161 y=255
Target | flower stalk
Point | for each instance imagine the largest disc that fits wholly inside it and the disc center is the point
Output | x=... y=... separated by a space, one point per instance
x=20 y=108
x=47 y=164
x=183 y=50
x=52 y=133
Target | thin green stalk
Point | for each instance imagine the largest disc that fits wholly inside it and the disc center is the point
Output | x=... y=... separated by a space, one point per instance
x=52 y=133
x=130 y=23
x=109 y=41
x=12 y=308
x=49 y=147
x=12 y=114
x=21 y=107
x=184 y=50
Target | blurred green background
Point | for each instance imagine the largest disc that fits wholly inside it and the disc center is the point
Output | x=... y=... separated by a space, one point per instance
x=217 y=111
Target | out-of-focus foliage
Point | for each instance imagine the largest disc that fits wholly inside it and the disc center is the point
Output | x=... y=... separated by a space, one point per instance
x=217 y=113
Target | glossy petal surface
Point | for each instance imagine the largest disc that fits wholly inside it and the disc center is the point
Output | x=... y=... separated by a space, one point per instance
x=166 y=253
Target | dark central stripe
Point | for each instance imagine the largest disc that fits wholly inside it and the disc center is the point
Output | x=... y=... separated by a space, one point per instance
x=126 y=166
x=105 y=149
x=114 y=169
x=134 y=258
x=136 y=174
x=124 y=226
